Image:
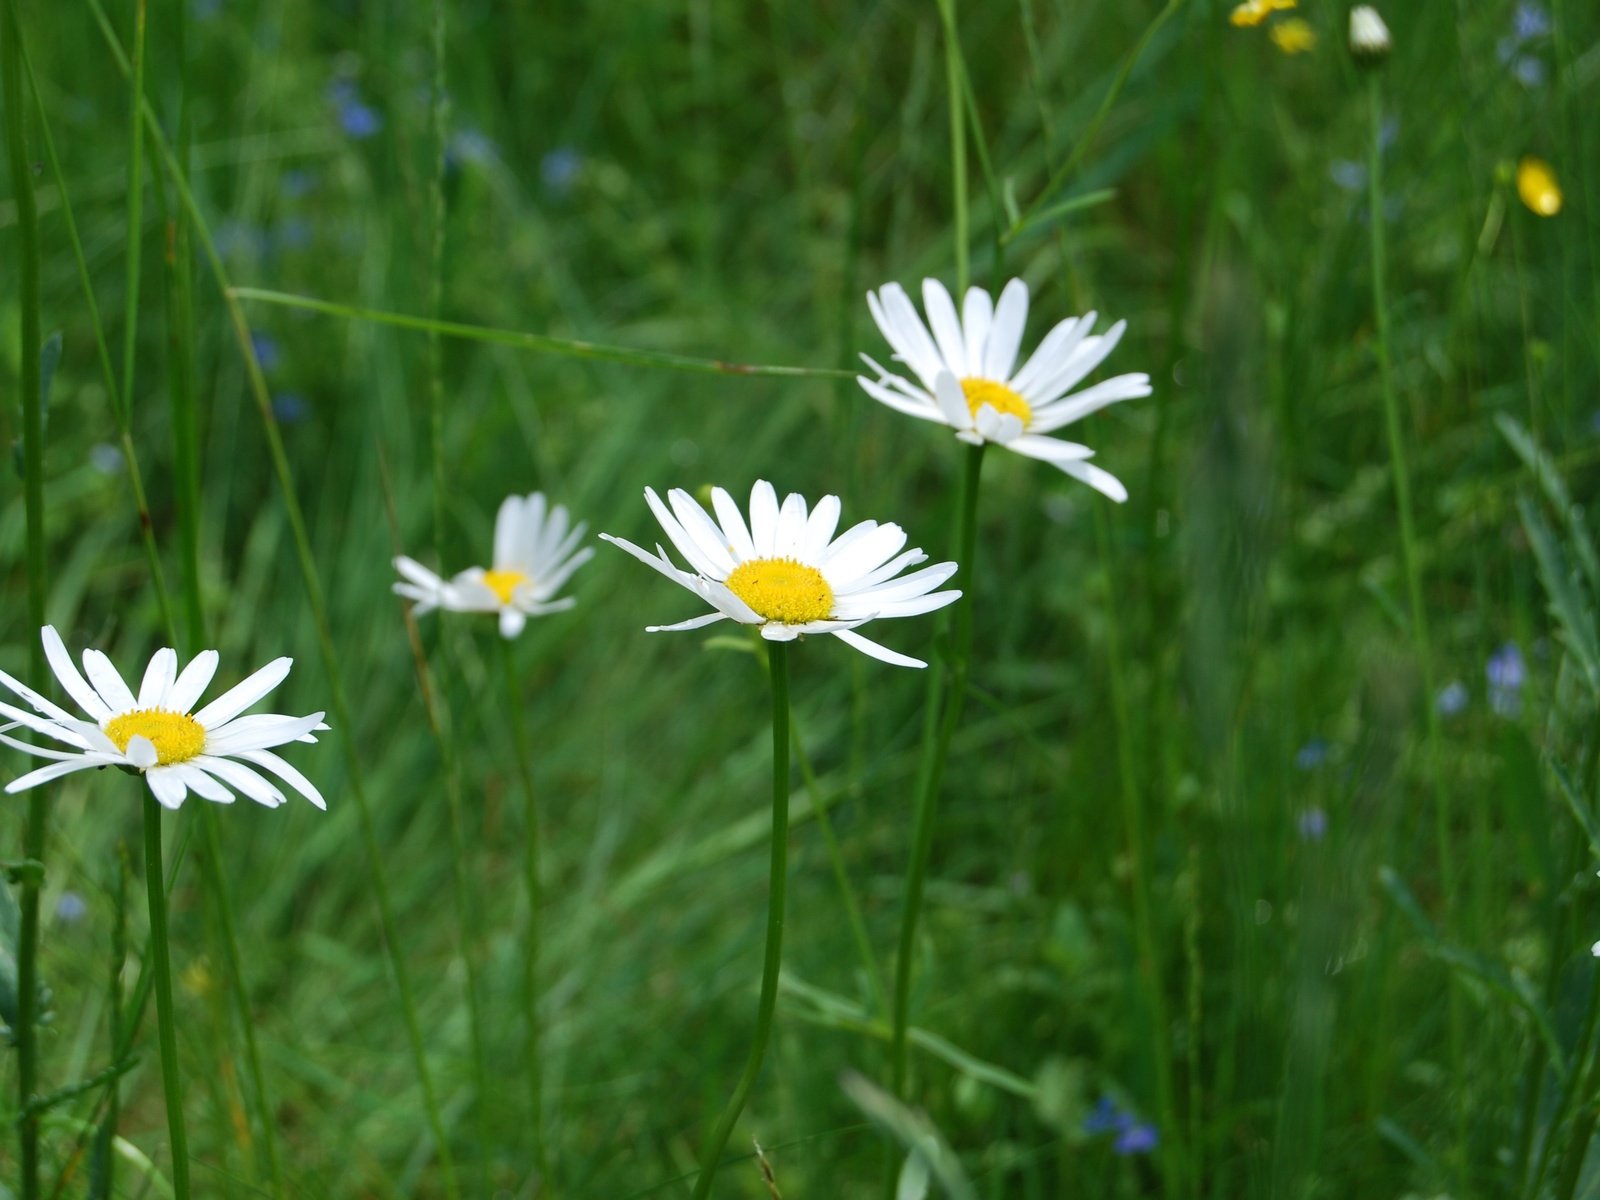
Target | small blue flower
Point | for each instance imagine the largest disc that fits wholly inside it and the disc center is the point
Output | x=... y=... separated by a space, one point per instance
x=106 y=458
x=71 y=908
x=1313 y=825
x=1506 y=673
x=1348 y=175
x=1312 y=755
x=1530 y=21
x=1106 y=1118
x=290 y=407
x=1529 y=71
x=471 y=146
x=359 y=121
x=1137 y=1139
x=559 y=169
x=266 y=348
x=1452 y=698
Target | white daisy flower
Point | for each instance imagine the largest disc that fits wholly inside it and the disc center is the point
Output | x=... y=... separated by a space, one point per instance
x=786 y=573
x=176 y=750
x=966 y=376
x=533 y=557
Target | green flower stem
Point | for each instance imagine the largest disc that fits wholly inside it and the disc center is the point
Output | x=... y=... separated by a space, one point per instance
x=531 y=942
x=161 y=969
x=958 y=141
x=935 y=750
x=778 y=664
x=1408 y=556
x=27 y=274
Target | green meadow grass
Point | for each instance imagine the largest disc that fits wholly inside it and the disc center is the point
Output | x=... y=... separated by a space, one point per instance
x=1197 y=851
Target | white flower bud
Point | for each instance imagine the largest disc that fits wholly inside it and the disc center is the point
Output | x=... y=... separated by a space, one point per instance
x=1369 y=36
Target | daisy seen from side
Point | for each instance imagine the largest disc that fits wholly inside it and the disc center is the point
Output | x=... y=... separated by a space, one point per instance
x=535 y=553
x=786 y=573
x=159 y=733
x=967 y=375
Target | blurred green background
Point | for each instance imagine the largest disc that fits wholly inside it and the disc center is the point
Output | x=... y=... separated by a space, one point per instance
x=1226 y=658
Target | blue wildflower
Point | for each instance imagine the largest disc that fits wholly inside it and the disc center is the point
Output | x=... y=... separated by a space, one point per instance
x=1529 y=72
x=1530 y=21
x=266 y=348
x=1312 y=755
x=359 y=121
x=290 y=408
x=1313 y=825
x=1138 y=1138
x=1105 y=1118
x=71 y=908
x=1506 y=673
x=1348 y=175
x=471 y=146
x=106 y=458
x=1452 y=698
x=559 y=169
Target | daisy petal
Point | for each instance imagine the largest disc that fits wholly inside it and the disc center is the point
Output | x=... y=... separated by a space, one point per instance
x=1005 y=335
x=977 y=313
x=511 y=622
x=922 y=410
x=75 y=684
x=242 y=695
x=288 y=773
x=108 y=681
x=952 y=401
x=242 y=779
x=507 y=531
x=1052 y=353
x=202 y=785
x=45 y=774
x=193 y=681
x=1075 y=408
x=141 y=752
x=946 y=326
x=820 y=525
x=1043 y=449
x=167 y=784
x=763 y=517
x=873 y=650
x=158 y=678
x=691 y=623
x=259 y=732
x=731 y=521
x=791 y=526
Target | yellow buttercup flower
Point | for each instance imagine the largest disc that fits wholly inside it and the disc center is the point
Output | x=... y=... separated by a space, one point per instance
x=1253 y=12
x=1294 y=36
x=1538 y=186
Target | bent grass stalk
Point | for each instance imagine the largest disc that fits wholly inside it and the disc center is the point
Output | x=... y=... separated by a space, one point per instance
x=338 y=699
x=33 y=499
x=717 y=1140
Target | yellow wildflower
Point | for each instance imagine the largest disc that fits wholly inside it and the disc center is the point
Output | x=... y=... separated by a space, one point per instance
x=1294 y=36
x=1253 y=12
x=1538 y=187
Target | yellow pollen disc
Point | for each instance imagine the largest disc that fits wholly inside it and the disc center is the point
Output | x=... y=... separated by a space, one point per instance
x=997 y=396
x=781 y=589
x=177 y=737
x=503 y=583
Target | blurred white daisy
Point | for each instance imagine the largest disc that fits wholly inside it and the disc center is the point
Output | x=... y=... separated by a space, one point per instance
x=207 y=751
x=967 y=378
x=786 y=573
x=533 y=557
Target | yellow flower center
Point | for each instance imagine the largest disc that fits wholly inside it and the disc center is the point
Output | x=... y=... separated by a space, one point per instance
x=503 y=583
x=177 y=737
x=781 y=589
x=997 y=396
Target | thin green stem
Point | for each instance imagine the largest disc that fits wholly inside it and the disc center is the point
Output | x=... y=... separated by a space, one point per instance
x=935 y=751
x=440 y=112
x=778 y=881
x=958 y=141
x=1409 y=560
x=161 y=970
x=339 y=704
x=33 y=498
x=532 y=840
x=536 y=343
